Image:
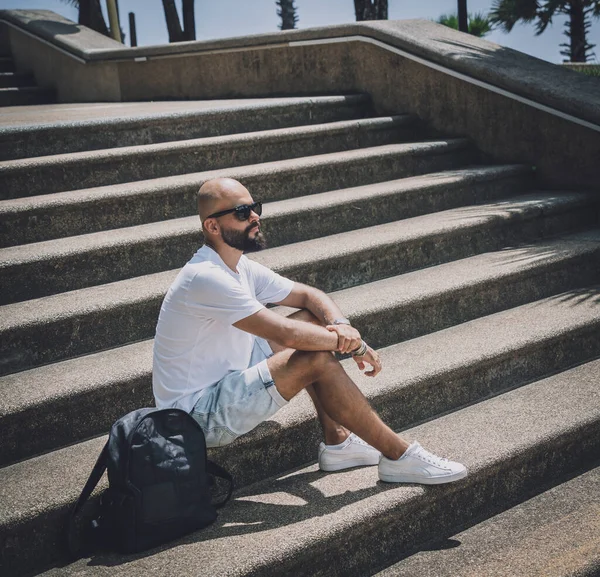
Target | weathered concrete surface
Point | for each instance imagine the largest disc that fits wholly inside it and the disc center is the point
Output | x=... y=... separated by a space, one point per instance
x=45 y=130
x=76 y=399
x=503 y=67
x=82 y=211
x=61 y=31
x=72 y=78
x=24 y=95
x=12 y=79
x=38 y=269
x=56 y=327
x=503 y=126
x=310 y=523
x=555 y=534
x=78 y=170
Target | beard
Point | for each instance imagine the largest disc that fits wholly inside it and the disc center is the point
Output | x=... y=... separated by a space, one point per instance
x=241 y=240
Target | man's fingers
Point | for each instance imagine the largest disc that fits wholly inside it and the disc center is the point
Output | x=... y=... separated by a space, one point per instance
x=346 y=342
x=375 y=362
x=351 y=345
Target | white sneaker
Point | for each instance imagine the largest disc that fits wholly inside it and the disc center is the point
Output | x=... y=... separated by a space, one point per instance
x=420 y=466
x=353 y=452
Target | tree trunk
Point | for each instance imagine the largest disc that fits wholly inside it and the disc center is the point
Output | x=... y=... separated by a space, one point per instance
x=371 y=9
x=463 y=23
x=577 y=35
x=172 y=19
x=189 y=20
x=90 y=15
x=287 y=12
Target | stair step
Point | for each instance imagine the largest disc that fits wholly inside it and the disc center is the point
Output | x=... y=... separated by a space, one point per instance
x=39 y=269
x=13 y=80
x=45 y=136
x=80 y=170
x=56 y=327
x=308 y=522
x=90 y=210
x=555 y=534
x=78 y=398
x=25 y=96
x=7 y=64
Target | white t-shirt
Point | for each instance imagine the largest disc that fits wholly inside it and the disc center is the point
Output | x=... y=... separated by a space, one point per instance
x=195 y=344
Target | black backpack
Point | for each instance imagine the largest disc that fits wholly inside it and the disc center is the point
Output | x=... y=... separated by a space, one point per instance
x=159 y=483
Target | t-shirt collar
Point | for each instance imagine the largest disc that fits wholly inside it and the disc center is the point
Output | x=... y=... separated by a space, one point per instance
x=212 y=255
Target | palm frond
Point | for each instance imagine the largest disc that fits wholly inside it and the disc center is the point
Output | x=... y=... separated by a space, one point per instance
x=450 y=20
x=506 y=13
x=480 y=24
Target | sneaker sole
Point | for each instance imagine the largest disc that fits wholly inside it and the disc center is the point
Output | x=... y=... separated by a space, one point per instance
x=348 y=464
x=391 y=478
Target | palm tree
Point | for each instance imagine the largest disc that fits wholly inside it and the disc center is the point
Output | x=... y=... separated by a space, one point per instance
x=462 y=23
x=177 y=33
x=371 y=9
x=286 y=10
x=507 y=13
x=478 y=24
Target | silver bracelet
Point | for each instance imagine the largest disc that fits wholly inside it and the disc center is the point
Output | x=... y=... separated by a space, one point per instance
x=360 y=351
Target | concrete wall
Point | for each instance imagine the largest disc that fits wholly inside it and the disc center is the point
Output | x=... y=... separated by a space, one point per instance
x=564 y=153
x=514 y=107
x=73 y=80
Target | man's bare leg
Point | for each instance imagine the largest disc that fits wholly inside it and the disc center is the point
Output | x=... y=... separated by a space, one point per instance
x=339 y=397
x=333 y=432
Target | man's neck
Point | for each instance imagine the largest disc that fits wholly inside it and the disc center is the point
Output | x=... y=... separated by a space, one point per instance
x=229 y=255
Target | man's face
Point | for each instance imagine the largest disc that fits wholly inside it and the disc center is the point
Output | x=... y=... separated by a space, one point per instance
x=243 y=235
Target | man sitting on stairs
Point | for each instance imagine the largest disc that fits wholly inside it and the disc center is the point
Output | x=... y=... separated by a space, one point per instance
x=232 y=363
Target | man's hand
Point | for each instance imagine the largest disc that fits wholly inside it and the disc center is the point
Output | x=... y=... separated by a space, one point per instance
x=371 y=358
x=348 y=337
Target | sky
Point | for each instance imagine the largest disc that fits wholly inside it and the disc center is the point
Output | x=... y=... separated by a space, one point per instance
x=227 y=18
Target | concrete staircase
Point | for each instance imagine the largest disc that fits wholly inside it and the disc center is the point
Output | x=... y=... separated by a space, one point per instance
x=479 y=288
x=17 y=89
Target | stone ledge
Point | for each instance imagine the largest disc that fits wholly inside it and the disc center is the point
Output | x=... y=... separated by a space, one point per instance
x=510 y=70
x=61 y=32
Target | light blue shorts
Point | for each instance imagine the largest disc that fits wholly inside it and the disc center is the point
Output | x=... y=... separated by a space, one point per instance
x=240 y=401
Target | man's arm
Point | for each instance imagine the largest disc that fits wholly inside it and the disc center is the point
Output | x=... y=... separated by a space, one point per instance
x=322 y=306
x=289 y=332
x=316 y=301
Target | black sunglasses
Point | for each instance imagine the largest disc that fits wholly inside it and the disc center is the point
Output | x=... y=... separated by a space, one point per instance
x=242 y=212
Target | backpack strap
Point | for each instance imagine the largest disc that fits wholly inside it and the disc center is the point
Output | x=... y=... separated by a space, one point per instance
x=89 y=487
x=218 y=471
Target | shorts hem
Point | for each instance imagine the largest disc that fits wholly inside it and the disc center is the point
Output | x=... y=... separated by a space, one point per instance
x=269 y=383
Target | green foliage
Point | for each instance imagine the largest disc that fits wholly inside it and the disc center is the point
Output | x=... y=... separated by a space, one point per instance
x=506 y=13
x=588 y=70
x=479 y=24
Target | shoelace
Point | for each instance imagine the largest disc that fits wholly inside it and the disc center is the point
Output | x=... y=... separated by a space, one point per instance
x=358 y=441
x=430 y=457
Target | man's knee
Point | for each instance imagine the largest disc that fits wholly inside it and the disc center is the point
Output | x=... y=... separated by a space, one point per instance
x=308 y=365
x=319 y=362
x=294 y=370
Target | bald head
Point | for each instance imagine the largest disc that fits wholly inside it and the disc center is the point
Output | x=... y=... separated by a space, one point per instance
x=220 y=194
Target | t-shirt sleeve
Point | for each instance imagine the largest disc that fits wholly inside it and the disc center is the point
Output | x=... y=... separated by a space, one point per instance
x=219 y=296
x=269 y=286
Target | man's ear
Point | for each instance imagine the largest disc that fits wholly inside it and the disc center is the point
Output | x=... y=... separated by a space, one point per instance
x=211 y=225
